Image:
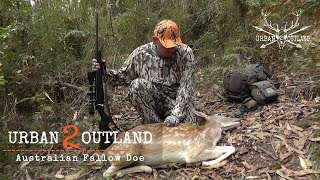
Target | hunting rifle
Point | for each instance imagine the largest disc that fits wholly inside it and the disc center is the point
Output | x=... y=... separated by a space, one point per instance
x=96 y=96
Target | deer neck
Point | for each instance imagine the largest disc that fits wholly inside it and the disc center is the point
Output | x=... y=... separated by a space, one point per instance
x=212 y=130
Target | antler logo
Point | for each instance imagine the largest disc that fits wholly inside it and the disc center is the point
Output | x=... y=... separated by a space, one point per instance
x=281 y=35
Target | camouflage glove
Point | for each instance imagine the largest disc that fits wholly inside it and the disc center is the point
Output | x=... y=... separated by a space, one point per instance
x=171 y=121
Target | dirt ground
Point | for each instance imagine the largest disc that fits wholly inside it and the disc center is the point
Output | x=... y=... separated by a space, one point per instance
x=276 y=141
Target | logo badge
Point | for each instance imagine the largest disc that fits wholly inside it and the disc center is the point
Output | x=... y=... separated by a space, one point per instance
x=281 y=35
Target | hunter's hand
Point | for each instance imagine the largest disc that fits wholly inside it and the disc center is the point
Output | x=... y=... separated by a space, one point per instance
x=171 y=121
x=96 y=65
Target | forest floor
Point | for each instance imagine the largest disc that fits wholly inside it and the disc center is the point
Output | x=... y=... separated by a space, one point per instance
x=277 y=141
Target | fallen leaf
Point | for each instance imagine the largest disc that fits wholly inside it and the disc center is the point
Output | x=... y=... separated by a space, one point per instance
x=282 y=175
x=24 y=164
x=294 y=129
x=74 y=176
x=317 y=127
x=284 y=156
x=257 y=126
x=231 y=140
x=288 y=127
x=308 y=163
x=268 y=117
x=117 y=116
x=263 y=157
x=237 y=168
x=274 y=129
x=205 y=172
x=96 y=167
x=75 y=115
x=314 y=139
x=28 y=175
x=303 y=163
x=287 y=171
x=59 y=175
x=47 y=95
x=195 y=177
x=216 y=176
x=278 y=145
x=286 y=132
x=261 y=135
x=268 y=176
x=249 y=166
x=280 y=137
x=155 y=173
x=297 y=128
x=305 y=172
x=290 y=148
x=286 y=2
x=253 y=177
x=300 y=143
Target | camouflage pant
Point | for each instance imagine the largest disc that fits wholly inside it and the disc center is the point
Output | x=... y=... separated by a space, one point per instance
x=152 y=105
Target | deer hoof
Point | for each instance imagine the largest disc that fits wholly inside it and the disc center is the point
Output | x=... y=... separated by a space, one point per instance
x=209 y=163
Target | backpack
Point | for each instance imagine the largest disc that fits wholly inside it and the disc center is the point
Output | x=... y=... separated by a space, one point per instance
x=264 y=92
x=237 y=82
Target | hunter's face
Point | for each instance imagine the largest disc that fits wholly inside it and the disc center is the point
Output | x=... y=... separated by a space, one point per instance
x=165 y=52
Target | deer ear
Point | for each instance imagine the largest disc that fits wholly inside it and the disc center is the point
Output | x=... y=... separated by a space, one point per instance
x=200 y=114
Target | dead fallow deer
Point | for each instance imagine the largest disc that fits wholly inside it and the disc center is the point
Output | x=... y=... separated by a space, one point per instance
x=181 y=144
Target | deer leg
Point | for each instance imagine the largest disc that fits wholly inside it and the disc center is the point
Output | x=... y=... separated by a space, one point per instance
x=204 y=155
x=135 y=169
x=226 y=151
x=116 y=165
x=110 y=171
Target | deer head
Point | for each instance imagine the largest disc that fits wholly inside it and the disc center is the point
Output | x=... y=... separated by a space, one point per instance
x=223 y=122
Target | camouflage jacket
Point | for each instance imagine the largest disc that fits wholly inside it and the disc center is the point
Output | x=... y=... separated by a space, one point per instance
x=173 y=77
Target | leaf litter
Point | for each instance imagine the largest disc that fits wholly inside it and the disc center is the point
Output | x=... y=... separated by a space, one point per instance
x=271 y=143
